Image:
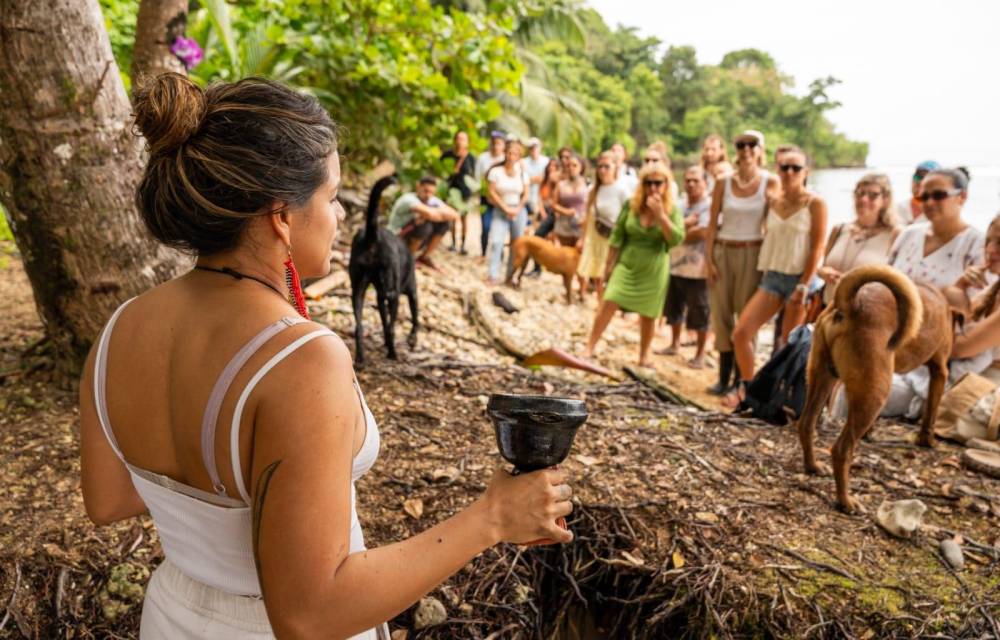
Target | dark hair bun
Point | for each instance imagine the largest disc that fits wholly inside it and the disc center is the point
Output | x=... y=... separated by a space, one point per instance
x=169 y=109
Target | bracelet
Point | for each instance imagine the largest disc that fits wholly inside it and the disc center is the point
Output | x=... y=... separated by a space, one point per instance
x=804 y=288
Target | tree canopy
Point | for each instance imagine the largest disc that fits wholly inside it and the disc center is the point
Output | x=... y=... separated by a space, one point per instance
x=402 y=76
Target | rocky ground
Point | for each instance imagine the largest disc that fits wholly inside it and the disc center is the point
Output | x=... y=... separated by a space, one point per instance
x=689 y=522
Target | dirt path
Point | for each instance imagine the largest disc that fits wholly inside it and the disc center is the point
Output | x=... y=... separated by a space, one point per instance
x=687 y=523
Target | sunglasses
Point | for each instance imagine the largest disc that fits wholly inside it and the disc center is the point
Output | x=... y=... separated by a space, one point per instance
x=745 y=144
x=920 y=175
x=938 y=195
x=654 y=183
x=648 y=160
x=871 y=195
x=791 y=167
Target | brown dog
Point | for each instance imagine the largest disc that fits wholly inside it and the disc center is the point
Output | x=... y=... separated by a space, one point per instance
x=561 y=260
x=880 y=322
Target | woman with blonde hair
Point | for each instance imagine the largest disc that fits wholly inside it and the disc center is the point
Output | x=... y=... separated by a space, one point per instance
x=867 y=239
x=637 y=269
x=604 y=205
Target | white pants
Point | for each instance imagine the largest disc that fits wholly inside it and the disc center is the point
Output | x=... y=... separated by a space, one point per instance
x=179 y=608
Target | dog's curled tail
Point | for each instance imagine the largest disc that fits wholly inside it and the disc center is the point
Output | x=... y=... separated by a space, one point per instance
x=371 y=214
x=908 y=305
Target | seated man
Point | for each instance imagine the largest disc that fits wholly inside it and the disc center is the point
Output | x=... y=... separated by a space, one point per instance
x=421 y=219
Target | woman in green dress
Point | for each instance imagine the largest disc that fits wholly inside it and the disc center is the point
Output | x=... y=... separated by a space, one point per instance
x=638 y=266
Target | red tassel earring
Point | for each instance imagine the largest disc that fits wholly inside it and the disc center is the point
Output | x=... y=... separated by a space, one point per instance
x=295 y=295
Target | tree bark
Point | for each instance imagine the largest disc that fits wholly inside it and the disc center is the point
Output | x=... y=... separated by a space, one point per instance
x=69 y=166
x=158 y=24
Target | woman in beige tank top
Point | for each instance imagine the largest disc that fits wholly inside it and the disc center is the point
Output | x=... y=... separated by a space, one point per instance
x=868 y=239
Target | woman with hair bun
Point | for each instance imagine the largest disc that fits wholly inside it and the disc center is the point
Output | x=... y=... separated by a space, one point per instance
x=214 y=404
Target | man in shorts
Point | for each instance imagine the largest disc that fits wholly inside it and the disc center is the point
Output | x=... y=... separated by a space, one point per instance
x=688 y=289
x=421 y=219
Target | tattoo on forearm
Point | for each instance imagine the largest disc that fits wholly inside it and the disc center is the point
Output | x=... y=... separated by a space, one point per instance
x=260 y=494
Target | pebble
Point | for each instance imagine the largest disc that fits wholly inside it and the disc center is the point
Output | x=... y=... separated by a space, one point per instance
x=430 y=612
x=952 y=552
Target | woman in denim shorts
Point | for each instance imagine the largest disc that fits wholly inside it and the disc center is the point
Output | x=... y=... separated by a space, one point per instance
x=794 y=235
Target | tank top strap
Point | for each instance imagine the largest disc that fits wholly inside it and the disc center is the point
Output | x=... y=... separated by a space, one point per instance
x=727 y=189
x=211 y=416
x=101 y=378
x=234 y=433
x=762 y=188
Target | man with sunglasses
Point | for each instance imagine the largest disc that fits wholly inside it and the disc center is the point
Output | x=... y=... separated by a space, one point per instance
x=912 y=210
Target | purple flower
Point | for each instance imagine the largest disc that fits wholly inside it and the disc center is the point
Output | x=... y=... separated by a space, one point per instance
x=188 y=51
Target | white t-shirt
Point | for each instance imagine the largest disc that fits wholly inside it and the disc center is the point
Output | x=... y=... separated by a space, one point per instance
x=509 y=188
x=610 y=200
x=941 y=268
x=532 y=169
x=628 y=180
x=484 y=162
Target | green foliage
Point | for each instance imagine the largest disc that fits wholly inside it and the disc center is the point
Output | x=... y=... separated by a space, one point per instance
x=6 y=235
x=119 y=19
x=402 y=76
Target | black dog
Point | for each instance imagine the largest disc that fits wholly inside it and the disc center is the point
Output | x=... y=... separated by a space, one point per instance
x=381 y=258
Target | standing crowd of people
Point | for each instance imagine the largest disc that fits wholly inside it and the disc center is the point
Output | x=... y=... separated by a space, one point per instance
x=721 y=255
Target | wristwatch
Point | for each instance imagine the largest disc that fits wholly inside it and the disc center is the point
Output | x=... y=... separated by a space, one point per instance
x=804 y=288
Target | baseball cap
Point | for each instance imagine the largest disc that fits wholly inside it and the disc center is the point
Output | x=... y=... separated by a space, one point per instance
x=533 y=142
x=496 y=133
x=928 y=165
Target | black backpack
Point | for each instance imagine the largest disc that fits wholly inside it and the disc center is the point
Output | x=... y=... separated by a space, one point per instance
x=779 y=388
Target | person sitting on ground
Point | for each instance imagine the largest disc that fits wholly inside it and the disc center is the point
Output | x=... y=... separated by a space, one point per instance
x=867 y=239
x=638 y=266
x=570 y=203
x=604 y=205
x=982 y=331
x=463 y=172
x=508 y=188
x=795 y=232
x=421 y=219
x=912 y=210
x=937 y=252
x=688 y=289
x=247 y=463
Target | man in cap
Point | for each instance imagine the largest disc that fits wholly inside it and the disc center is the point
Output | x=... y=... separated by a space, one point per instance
x=534 y=169
x=913 y=211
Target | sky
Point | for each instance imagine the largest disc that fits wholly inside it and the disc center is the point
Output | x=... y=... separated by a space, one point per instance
x=920 y=79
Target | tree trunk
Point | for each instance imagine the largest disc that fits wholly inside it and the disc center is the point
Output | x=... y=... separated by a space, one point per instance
x=158 y=24
x=69 y=166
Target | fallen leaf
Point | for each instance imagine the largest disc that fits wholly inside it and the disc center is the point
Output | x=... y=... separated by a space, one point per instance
x=706 y=516
x=414 y=507
x=951 y=461
x=678 y=559
x=586 y=460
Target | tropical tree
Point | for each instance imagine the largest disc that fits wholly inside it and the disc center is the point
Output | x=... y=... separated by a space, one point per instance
x=68 y=170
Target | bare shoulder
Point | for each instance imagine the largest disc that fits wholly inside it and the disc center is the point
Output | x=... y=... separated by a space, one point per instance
x=816 y=203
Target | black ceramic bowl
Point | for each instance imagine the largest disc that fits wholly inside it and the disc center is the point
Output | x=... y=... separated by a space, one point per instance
x=535 y=432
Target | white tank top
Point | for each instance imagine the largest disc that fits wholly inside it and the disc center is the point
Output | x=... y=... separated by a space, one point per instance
x=742 y=217
x=786 y=242
x=208 y=535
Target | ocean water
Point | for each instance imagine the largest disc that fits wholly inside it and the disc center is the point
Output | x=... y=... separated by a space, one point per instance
x=837 y=188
